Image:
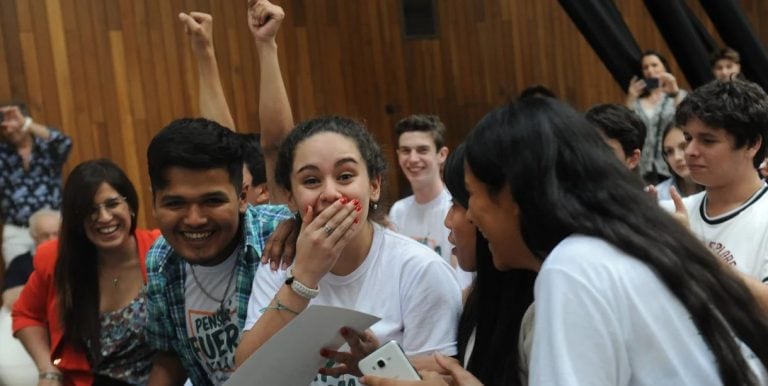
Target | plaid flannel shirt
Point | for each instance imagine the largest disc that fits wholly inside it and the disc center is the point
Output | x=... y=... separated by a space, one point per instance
x=167 y=328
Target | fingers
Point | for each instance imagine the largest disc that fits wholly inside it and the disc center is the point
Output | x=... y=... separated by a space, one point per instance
x=342 y=360
x=681 y=212
x=678 y=200
x=197 y=23
x=332 y=220
x=289 y=248
x=278 y=246
x=359 y=344
x=460 y=375
x=651 y=190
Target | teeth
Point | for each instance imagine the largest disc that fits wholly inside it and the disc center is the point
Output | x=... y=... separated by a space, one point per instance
x=197 y=235
x=107 y=230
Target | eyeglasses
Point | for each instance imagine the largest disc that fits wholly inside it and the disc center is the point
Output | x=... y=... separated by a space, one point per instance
x=110 y=205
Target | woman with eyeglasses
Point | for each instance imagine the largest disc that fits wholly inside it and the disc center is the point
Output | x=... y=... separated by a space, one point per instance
x=82 y=314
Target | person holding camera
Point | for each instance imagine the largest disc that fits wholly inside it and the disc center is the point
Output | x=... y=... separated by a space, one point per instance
x=654 y=99
x=31 y=159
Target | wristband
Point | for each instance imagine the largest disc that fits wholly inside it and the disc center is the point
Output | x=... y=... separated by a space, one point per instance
x=51 y=375
x=26 y=125
x=300 y=288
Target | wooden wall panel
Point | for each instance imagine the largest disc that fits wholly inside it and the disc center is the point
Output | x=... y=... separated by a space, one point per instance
x=111 y=73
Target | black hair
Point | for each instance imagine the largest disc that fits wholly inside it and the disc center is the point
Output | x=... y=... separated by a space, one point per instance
x=619 y=123
x=76 y=274
x=727 y=53
x=20 y=104
x=197 y=144
x=424 y=123
x=536 y=90
x=253 y=158
x=655 y=53
x=562 y=189
x=737 y=106
x=496 y=304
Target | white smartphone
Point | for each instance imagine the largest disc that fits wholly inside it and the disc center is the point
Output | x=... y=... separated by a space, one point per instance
x=389 y=361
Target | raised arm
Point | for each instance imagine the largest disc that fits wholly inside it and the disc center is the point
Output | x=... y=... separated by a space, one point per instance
x=213 y=104
x=275 y=117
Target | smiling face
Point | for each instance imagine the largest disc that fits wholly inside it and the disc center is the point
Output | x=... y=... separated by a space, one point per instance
x=497 y=216
x=418 y=158
x=463 y=236
x=198 y=212
x=674 y=152
x=652 y=66
x=108 y=225
x=712 y=156
x=327 y=166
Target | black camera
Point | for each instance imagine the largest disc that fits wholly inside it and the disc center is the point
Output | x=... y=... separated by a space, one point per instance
x=381 y=363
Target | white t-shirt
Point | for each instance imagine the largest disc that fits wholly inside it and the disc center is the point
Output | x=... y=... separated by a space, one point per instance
x=605 y=318
x=214 y=334
x=425 y=223
x=740 y=237
x=401 y=281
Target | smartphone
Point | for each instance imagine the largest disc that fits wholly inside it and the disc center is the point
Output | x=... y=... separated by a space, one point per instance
x=651 y=83
x=389 y=361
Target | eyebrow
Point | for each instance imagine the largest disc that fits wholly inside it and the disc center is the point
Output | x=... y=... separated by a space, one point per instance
x=338 y=163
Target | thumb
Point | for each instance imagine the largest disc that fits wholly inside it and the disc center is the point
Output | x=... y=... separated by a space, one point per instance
x=460 y=376
x=184 y=17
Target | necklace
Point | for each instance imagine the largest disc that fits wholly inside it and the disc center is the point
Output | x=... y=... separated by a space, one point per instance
x=221 y=312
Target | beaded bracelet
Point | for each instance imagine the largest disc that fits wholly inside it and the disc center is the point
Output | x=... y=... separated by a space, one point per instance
x=278 y=307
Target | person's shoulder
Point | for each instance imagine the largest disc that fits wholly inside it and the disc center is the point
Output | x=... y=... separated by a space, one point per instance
x=147 y=235
x=45 y=256
x=581 y=252
x=268 y=212
x=402 y=203
x=158 y=254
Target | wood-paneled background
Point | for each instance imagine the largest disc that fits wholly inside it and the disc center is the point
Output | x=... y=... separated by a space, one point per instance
x=111 y=73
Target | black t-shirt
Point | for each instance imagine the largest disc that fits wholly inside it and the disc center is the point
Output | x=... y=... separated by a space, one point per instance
x=19 y=270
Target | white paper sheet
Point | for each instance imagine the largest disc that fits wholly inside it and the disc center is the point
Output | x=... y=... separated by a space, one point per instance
x=292 y=356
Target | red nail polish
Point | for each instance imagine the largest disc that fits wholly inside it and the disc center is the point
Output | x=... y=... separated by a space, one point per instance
x=324 y=352
x=344 y=331
x=343 y=200
x=357 y=220
x=358 y=208
x=356 y=202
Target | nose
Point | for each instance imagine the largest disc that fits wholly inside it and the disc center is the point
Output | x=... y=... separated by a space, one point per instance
x=691 y=149
x=678 y=155
x=412 y=156
x=328 y=195
x=102 y=214
x=195 y=217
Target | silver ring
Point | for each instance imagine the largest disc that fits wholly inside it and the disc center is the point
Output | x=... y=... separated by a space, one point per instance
x=327 y=229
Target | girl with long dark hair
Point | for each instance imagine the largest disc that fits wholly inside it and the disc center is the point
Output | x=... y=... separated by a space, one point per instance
x=82 y=314
x=625 y=294
x=490 y=324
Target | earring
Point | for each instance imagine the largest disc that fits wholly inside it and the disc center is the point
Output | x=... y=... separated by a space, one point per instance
x=133 y=214
x=373 y=205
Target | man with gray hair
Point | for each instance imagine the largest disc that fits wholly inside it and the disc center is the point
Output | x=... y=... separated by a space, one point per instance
x=43 y=226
